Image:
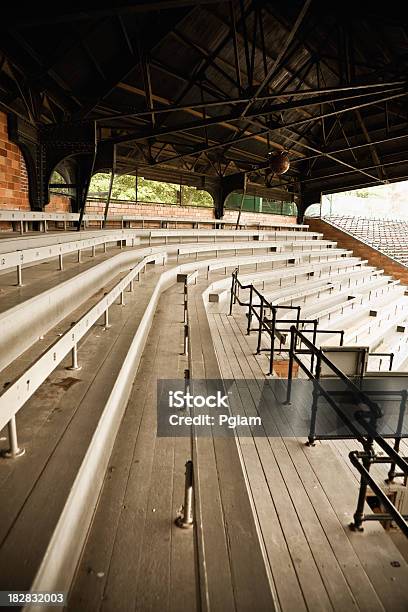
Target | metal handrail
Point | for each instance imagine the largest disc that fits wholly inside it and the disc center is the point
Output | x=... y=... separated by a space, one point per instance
x=17 y=393
x=366 y=439
x=269 y=325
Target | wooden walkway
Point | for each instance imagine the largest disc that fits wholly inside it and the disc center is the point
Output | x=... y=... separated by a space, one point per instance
x=55 y=427
x=135 y=557
x=304 y=499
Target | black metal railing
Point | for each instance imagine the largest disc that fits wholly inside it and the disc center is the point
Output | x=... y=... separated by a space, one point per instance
x=389 y=355
x=266 y=315
x=367 y=414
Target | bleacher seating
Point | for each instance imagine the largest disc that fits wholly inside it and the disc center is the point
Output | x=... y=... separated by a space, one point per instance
x=82 y=347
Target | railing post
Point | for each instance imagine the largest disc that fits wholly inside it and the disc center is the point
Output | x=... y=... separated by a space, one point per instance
x=271 y=356
x=315 y=323
x=185 y=342
x=261 y=309
x=61 y=263
x=74 y=357
x=315 y=394
x=357 y=525
x=397 y=441
x=290 y=366
x=122 y=299
x=185 y=521
x=19 y=276
x=15 y=450
x=185 y=302
x=79 y=255
x=249 y=315
x=232 y=292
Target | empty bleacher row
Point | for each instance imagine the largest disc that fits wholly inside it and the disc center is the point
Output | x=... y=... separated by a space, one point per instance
x=89 y=322
x=28 y=221
x=389 y=237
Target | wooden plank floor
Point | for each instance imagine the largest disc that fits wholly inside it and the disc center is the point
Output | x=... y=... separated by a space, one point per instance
x=135 y=557
x=55 y=427
x=304 y=498
x=234 y=559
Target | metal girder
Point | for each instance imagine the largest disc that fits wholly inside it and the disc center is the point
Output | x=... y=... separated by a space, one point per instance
x=326 y=177
x=97 y=13
x=339 y=161
x=233 y=101
x=271 y=109
x=280 y=56
x=352 y=147
x=373 y=150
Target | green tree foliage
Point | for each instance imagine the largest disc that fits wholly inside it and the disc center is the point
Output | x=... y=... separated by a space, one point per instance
x=124 y=188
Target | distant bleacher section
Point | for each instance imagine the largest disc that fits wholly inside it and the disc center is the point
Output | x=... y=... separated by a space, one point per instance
x=389 y=237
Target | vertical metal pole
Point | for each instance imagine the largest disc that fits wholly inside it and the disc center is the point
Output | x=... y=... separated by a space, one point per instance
x=232 y=292
x=185 y=348
x=14 y=450
x=21 y=227
x=272 y=341
x=104 y=247
x=401 y=416
x=315 y=394
x=19 y=276
x=122 y=298
x=185 y=521
x=357 y=525
x=106 y=319
x=290 y=366
x=261 y=312
x=61 y=263
x=108 y=199
x=93 y=250
x=250 y=310
x=79 y=255
x=315 y=322
x=74 y=356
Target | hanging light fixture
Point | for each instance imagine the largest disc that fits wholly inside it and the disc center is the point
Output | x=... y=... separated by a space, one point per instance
x=278 y=163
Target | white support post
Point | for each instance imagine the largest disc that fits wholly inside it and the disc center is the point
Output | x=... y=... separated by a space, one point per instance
x=74 y=355
x=19 y=276
x=106 y=321
x=14 y=450
x=93 y=251
x=122 y=298
x=21 y=227
x=61 y=263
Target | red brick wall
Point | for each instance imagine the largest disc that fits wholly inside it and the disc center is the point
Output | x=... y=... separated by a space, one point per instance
x=13 y=178
x=13 y=174
x=14 y=194
x=198 y=212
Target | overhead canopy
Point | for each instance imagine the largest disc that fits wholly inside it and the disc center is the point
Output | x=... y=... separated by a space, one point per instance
x=208 y=89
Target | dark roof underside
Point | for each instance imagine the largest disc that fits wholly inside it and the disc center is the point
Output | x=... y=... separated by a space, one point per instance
x=186 y=89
